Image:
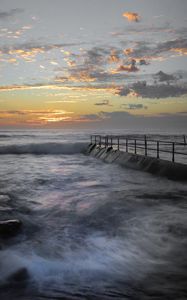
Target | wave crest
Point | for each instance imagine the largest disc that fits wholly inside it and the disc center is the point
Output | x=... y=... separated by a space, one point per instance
x=44 y=148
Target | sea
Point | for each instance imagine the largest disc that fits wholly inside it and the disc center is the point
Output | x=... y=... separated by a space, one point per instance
x=90 y=230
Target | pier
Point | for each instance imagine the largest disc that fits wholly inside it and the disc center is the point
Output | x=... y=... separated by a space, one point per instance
x=161 y=157
x=174 y=151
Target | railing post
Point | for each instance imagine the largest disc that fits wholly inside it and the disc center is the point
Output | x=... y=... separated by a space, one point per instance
x=126 y=144
x=184 y=139
x=99 y=140
x=135 y=146
x=145 y=138
x=157 y=149
x=111 y=141
x=118 y=143
x=173 y=152
x=95 y=140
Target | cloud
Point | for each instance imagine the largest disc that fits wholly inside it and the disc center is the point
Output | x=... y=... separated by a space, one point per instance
x=8 y=14
x=132 y=16
x=78 y=74
x=105 y=117
x=134 y=106
x=114 y=56
x=57 y=86
x=128 y=51
x=144 y=50
x=90 y=117
x=30 y=49
x=96 y=56
x=103 y=103
x=35 y=117
x=157 y=91
x=174 y=45
x=181 y=51
x=161 y=76
x=14 y=33
x=128 y=68
x=37 y=86
x=143 y=62
x=124 y=119
x=102 y=119
x=92 y=64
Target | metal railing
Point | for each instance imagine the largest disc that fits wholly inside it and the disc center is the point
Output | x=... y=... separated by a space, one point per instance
x=144 y=146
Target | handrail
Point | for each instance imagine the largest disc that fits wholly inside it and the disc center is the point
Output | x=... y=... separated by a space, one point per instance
x=133 y=144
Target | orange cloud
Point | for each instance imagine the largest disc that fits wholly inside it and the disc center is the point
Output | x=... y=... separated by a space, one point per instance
x=131 y=16
x=181 y=51
x=128 y=68
x=80 y=76
x=27 y=55
x=35 y=116
x=85 y=88
x=128 y=51
x=114 y=57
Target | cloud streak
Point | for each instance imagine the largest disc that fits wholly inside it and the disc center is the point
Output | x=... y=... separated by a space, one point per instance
x=103 y=103
x=34 y=116
x=29 y=50
x=11 y=13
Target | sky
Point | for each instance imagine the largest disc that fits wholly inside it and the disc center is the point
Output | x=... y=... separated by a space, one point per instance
x=96 y=64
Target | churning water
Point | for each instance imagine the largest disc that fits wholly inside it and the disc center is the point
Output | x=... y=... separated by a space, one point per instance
x=90 y=230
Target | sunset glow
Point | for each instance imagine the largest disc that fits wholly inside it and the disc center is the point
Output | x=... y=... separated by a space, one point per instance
x=58 y=71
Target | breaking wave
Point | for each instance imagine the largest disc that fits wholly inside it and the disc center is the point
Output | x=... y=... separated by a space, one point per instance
x=44 y=148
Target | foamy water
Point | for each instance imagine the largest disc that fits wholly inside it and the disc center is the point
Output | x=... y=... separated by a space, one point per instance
x=90 y=230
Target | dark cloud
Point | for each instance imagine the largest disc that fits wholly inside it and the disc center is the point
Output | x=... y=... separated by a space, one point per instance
x=145 y=50
x=143 y=62
x=170 y=45
x=134 y=106
x=123 y=91
x=8 y=14
x=124 y=119
x=182 y=113
x=96 y=56
x=161 y=76
x=157 y=91
x=90 y=117
x=103 y=103
x=116 y=115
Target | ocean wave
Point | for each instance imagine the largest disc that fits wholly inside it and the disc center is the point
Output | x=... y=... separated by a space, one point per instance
x=44 y=148
x=4 y=136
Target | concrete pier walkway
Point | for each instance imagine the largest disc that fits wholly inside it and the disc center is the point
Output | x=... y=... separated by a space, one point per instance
x=107 y=153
